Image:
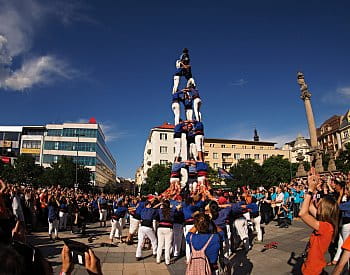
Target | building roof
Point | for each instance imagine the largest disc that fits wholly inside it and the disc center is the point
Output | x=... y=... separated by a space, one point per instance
x=238 y=141
x=331 y=125
x=165 y=125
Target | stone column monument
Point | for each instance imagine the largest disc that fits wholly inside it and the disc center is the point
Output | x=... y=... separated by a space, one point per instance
x=306 y=97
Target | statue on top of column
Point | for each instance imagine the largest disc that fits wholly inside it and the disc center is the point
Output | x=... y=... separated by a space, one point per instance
x=305 y=93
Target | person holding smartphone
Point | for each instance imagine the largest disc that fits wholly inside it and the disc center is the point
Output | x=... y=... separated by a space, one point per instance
x=92 y=262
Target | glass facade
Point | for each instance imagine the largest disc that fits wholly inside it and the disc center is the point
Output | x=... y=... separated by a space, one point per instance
x=70 y=146
x=86 y=161
x=31 y=144
x=72 y=132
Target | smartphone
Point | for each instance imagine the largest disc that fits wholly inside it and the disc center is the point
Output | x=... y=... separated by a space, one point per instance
x=77 y=250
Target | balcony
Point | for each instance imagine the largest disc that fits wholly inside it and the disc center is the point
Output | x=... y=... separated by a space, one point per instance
x=227 y=160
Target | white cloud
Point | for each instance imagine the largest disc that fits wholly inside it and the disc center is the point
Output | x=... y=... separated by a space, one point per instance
x=341 y=96
x=111 y=132
x=41 y=70
x=19 y=20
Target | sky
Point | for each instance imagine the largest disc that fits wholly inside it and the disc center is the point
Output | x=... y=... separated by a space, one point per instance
x=69 y=60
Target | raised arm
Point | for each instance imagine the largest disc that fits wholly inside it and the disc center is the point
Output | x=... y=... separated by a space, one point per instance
x=2 y=186
x=305 y=209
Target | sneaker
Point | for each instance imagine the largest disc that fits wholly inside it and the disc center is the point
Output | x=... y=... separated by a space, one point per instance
x=154 y=255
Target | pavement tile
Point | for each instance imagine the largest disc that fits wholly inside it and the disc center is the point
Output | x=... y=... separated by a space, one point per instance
x=158 y=272
x=155 y=266
x=112 y=266
x=129 y=266
x=134 y=272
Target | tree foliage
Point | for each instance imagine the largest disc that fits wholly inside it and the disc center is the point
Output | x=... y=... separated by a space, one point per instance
x=157 y=179
x=276 y=169
x=25 y=171
x=343 y=160
x=246 y=172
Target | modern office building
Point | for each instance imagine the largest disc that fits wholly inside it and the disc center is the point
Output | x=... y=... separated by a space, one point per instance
x=32 y=140
x=83 y=142
x=10 y=139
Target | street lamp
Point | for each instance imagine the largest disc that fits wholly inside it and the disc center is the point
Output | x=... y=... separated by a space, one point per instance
x=77 y=134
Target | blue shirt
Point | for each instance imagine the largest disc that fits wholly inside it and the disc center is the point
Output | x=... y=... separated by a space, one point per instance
x=212 y=251
x=254 y=207
x=223 y=216
x=148 y=214
x=345 y=208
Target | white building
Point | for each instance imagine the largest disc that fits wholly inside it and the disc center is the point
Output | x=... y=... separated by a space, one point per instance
x=299 y=145
x=83 y=142
x=159 y=149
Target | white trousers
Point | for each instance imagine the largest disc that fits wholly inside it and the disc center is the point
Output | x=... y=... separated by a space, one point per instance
x=117 y=229
x=178 y=234
x=344 y=232
x=199 y=140
x=257 y=226
x=103 y=215
x=189 y=114
x=145 y=231
x=175 y=106
x=53 y=226
x=241 y=227
x=176 y=83
x=165 y=237
x=134 y=225
x=193 y=151
x=188 y=250
x=197 y=103
x=177 y=143
x=63 y=219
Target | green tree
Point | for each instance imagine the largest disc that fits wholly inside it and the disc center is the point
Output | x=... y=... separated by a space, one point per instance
x=343 y=160
x=64 y=173
x=157 y=179
x=246 y=172
x=7 y=172
x=276 y=169
x=26 y=171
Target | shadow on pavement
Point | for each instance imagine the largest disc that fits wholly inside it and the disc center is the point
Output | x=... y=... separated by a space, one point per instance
x=240 y=263
x=296 y=262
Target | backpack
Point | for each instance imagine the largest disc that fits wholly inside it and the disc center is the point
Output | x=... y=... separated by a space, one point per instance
x=199 y=264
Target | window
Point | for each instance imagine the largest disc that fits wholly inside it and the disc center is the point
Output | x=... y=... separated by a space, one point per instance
x=253 y=147
x=215 y=156
x=211 y=145
x=226 y=166
x=247 y=156
x=31 y=144
x=163 y=162
x=244 y=146
x=163 y=136
x=223 y=145
x=265 y=156
x=237 y=156
x=163 y=149
x=233 y=146
x=215 y=165
x=256 y=156
x=261 y=147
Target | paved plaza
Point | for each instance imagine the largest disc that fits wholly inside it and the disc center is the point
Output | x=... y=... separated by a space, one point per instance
x=121 y=259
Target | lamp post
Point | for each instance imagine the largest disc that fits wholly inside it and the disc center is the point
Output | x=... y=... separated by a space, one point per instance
x=77 y=134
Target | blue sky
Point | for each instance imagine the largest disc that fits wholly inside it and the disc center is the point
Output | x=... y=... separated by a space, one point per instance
x=114 y=60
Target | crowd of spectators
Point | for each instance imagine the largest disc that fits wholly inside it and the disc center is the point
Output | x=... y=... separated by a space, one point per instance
x=220 y=222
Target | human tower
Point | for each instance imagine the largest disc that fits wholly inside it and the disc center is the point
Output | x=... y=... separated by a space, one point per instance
x=188 y=171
